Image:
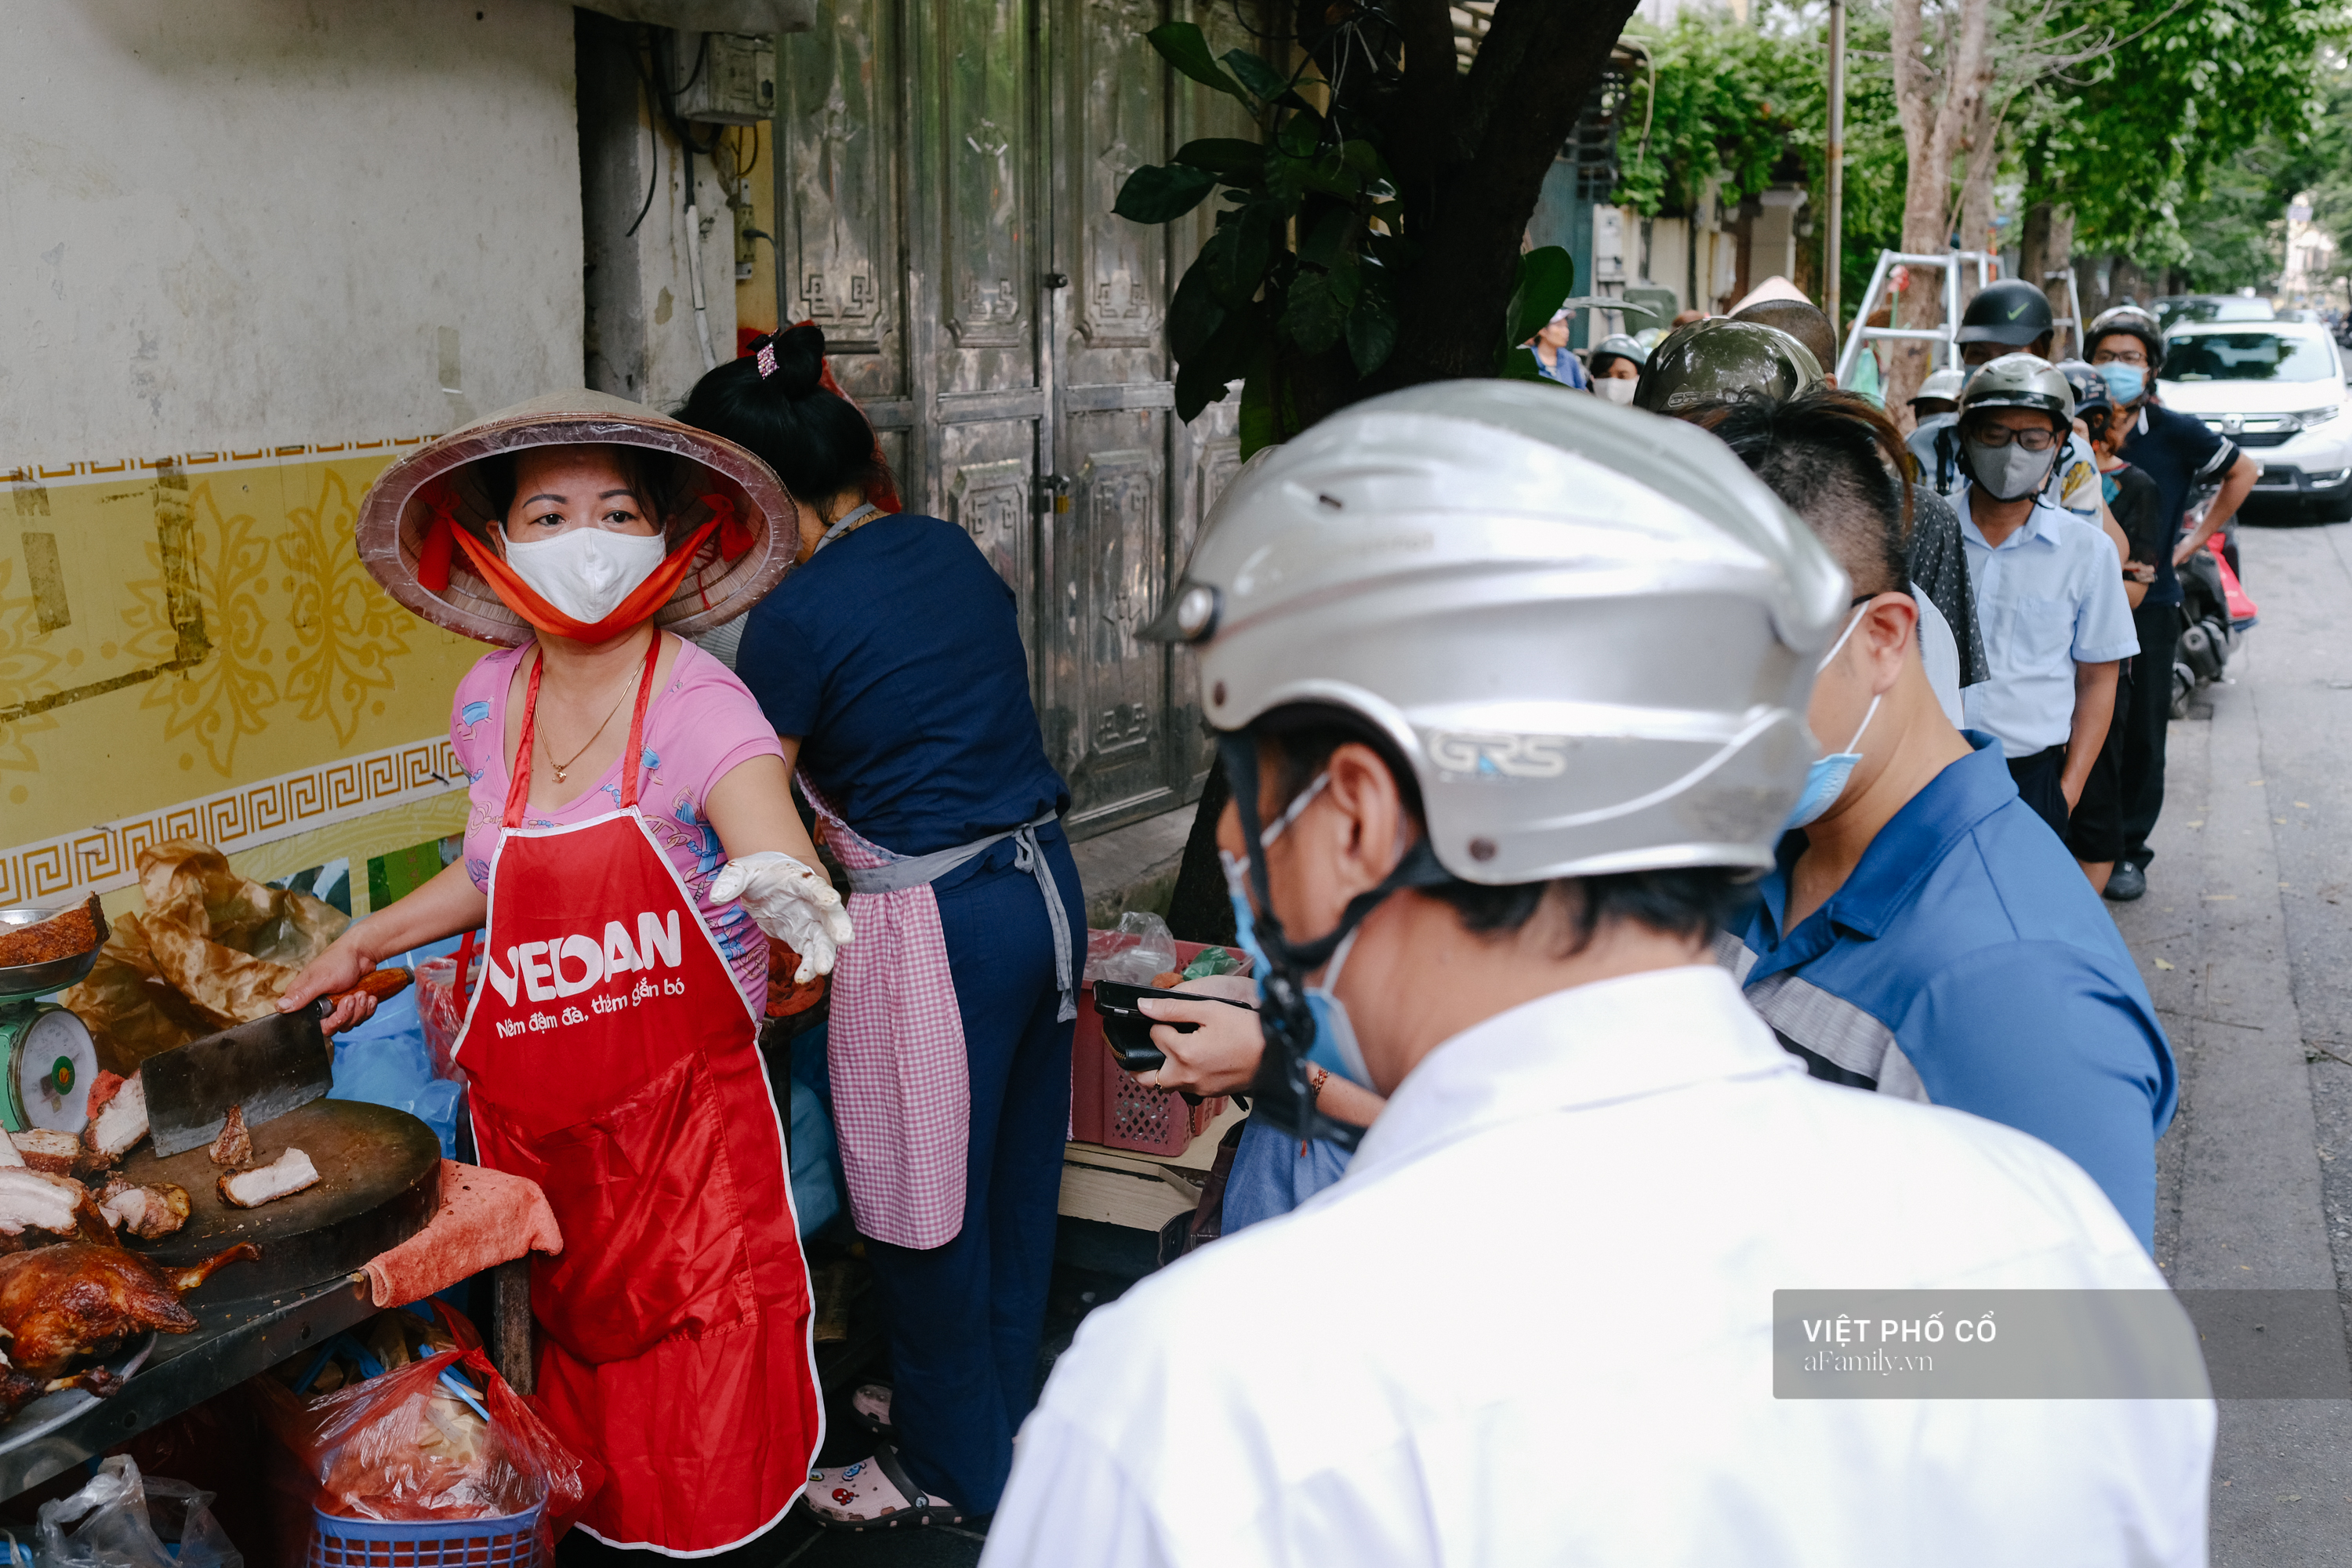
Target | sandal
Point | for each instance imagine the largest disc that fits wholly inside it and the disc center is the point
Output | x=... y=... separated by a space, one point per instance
x=874 y=1494
x=869 y=1406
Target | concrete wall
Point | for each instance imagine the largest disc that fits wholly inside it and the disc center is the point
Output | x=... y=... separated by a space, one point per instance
x=249 y=251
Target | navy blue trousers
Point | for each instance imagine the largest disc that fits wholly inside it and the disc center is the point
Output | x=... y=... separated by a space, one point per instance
x=965 y=1318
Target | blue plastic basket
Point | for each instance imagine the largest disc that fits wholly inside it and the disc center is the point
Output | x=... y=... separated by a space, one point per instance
x=509 y=1540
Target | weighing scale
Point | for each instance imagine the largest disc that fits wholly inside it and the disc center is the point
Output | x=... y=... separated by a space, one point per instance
x=48 y=1060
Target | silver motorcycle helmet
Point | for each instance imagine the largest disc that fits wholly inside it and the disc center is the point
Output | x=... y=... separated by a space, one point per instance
x=1590 y=632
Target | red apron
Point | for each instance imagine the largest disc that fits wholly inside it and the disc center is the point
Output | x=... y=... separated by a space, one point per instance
x=615 y=1062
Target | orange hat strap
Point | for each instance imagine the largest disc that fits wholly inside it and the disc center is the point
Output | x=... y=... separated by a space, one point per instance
x=519 y=596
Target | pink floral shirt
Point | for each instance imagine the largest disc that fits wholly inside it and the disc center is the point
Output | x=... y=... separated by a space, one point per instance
x=698 y=727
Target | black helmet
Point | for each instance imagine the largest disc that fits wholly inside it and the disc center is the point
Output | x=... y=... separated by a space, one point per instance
x=2010 y=311
x=2134 y=321
x=2020 y=381
x=1719 y=358
x=2089 y=387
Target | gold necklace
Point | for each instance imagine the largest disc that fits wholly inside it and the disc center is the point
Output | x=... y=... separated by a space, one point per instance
x=560 y=776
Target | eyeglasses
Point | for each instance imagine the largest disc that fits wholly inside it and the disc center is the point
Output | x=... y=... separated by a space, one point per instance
x=1995 y=437
x=2120 y=356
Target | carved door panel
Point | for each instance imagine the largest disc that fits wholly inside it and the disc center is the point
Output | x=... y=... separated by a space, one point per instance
x=945 y=192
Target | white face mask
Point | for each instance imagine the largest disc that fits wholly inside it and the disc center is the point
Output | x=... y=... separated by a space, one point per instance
x=1615 y=390
x=587 y=572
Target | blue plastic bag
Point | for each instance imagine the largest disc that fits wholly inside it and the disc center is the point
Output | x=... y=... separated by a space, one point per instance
x=385 y=1061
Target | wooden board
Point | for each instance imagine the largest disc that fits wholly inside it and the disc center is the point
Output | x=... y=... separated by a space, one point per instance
x=380 y=1184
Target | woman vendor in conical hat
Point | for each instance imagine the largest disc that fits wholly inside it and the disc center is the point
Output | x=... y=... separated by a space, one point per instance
x=632 y=837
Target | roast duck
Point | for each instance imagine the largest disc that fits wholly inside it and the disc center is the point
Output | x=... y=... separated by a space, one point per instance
x=68 y=1290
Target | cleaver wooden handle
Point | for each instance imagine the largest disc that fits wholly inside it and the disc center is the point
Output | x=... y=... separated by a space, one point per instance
x=384 y=984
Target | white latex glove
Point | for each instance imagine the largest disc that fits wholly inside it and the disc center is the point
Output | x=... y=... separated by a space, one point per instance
x=791 y=902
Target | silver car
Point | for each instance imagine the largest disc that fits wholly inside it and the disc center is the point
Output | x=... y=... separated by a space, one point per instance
x=2275 y=388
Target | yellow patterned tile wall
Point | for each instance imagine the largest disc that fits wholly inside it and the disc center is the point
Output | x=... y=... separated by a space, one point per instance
x=191 y=643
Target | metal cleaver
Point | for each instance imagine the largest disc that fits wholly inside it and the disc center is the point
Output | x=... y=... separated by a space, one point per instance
x=269 y=1067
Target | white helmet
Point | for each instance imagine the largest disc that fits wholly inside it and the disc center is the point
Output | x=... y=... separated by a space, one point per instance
x=1590 y=631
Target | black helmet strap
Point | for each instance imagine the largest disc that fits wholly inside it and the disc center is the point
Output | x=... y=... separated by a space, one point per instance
x=1282 y=1095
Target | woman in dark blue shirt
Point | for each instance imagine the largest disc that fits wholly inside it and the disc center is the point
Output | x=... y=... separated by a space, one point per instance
x=890 y=663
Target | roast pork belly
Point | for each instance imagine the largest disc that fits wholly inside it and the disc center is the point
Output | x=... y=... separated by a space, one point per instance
x=282 y=1177
x=121 y=1123
x=149 y=1212
x=51 y=1153
x=30 y=1200
x=234 y=1147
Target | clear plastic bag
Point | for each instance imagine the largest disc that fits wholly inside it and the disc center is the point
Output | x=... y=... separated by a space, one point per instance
x=1140 y=949
x=410 y=1446
x=121 y=1520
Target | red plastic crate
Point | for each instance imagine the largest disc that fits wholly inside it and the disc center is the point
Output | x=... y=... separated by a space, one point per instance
x=1110 y=1106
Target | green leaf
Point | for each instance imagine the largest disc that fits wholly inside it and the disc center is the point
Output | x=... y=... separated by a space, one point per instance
x=1157 y=194
x=1256 y=74
x=1202 y=378
x=1182 y=44
x=1519 y=365
x=1245 y=256
x=1371 y=331
x=1328 y=241
x=1315 y=316
x=1261 y=425
x=1229 y=158
x=1194 y=314
x=1300 y=134
x=1546 y=276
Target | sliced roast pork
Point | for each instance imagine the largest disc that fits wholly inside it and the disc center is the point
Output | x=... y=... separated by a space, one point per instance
x=121 y=1123
x=288 y=1173
x=234 y=1147
x=148 y=1212
x=50 y=1152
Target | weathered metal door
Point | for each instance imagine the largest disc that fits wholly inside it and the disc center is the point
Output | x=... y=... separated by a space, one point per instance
x=945 y=191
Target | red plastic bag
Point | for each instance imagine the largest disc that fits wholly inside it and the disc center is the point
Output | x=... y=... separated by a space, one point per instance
x=2243 y=612
x=404 y=1445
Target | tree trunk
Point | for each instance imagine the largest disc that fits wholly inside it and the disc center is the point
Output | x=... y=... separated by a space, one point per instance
x=1934 y=110
x=1470 y=150
x=2047 y=246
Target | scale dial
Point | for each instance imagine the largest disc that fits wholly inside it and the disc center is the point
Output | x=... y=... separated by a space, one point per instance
x=50 y=1063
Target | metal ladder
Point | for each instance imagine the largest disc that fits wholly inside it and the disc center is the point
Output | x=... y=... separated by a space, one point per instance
x=2073 y=316
x=1950 y=264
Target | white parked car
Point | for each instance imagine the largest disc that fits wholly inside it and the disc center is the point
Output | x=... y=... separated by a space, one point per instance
x=2276 y=388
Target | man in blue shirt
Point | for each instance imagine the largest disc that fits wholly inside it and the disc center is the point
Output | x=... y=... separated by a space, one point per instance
x=1923 y=933
x=2181 y=453
x=2049 y=588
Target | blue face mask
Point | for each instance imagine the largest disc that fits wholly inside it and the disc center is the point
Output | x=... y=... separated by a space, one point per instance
x=1335 y=1048
x=2126 y=382
x=1825 y=780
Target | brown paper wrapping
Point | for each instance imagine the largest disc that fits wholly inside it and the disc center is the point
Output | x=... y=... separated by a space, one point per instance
x=214 y=949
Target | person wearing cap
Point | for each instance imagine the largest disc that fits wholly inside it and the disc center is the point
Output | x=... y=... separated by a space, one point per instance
x=2095 y=830
x=1616 y=367
x=631 y=847
x=1529 y=697
x=2179 y=453
x=1919 y=933
x=890 y=667
x=1719 y=359
x=1936 y=408
x=1555 y=361
x=2048 y=587
x=2007 y=317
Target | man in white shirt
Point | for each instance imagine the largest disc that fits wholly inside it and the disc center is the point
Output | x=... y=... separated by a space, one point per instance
x=2049 y=588
x=1521 y=680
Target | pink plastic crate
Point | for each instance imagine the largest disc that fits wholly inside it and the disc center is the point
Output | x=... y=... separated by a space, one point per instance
x=1110 y=1106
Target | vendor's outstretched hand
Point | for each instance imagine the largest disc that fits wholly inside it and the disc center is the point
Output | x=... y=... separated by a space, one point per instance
x=335 y=971
x=790 y=902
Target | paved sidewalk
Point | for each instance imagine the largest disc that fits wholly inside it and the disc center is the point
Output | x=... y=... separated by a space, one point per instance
x=2245 y=940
